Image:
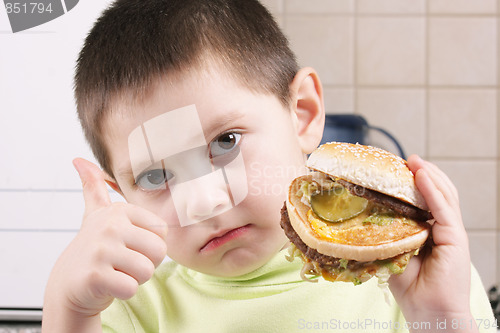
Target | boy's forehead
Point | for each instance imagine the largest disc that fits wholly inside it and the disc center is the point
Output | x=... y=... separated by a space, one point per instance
x=179 y=113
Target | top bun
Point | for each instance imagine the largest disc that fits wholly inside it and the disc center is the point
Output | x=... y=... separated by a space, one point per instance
x=370 y=167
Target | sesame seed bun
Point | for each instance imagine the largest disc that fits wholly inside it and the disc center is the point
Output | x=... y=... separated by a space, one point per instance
x=369 y=167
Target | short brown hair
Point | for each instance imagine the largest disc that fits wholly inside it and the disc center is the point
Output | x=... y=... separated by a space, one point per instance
x=136 y=41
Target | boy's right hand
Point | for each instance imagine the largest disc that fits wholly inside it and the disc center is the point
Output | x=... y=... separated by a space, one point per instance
x=117 y=249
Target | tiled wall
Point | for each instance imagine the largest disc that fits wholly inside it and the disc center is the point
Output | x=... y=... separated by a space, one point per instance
x=428 y=72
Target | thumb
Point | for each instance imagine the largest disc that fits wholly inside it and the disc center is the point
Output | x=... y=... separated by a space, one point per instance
x=95 y=192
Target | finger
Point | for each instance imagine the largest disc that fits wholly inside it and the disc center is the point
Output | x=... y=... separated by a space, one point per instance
x=438 y=205
x=107 y=282
x=415 y=163
x=448 y=228
x=442 y=181
x=95 y=192
x=133 y=264
x=145 y=219
x=443 y=185
x=120 y=285
x=398 y=283
x=146 y=243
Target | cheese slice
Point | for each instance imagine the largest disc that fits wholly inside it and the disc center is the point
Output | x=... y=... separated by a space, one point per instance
x=357 y=231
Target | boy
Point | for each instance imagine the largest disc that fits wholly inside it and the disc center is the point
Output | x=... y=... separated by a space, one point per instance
x=200 y=118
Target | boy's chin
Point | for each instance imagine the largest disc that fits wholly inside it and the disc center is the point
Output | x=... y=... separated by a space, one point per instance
x=238 y=262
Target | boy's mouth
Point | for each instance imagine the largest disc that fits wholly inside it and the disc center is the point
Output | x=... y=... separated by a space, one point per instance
x=223 y=237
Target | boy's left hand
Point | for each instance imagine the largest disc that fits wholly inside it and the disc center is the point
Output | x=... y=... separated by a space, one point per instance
x=436 y=283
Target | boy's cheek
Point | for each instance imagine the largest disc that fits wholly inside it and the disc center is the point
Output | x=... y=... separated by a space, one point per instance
x=160 y=205
x=262 y=188
x=167 y=212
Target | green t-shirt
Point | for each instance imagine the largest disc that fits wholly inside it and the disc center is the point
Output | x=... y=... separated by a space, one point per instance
x=271 y=299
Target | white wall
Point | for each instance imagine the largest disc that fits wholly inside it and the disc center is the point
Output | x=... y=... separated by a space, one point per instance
x=40 y=196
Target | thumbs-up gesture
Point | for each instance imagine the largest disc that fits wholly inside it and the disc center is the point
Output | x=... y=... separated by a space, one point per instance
x=117 y=249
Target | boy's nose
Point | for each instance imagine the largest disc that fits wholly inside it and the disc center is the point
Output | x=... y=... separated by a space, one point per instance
x=207 y=202
x=201 y=198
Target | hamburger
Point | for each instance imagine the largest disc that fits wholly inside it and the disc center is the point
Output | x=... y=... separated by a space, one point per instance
x=358 y=214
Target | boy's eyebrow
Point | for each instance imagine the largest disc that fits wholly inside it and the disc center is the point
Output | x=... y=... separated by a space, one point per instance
x=127 y=173
x=124 y=173
x=224 y=121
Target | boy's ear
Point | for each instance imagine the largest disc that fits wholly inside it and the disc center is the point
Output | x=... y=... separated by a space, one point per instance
x=308 y=107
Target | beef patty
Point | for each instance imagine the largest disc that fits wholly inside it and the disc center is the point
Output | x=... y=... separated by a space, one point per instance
x=323 y=260
x=396 y=205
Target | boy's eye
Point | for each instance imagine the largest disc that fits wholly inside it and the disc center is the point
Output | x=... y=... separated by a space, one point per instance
x=224 y=144
x=153 y=179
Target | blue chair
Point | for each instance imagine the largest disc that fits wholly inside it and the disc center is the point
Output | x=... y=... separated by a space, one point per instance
x=354 y=128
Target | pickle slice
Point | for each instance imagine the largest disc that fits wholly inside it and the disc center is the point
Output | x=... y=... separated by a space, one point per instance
x=337 y=204
x=380 y=219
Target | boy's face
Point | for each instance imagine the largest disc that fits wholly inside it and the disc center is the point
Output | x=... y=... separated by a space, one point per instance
x=216 y=167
